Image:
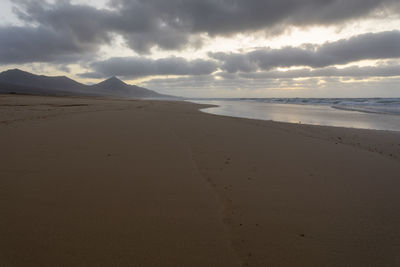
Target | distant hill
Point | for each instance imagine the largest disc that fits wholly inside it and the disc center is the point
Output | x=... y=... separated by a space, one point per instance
x=21 y=82
x=118 y=87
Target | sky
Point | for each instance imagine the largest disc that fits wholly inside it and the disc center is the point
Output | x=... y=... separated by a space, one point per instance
x=211 y=48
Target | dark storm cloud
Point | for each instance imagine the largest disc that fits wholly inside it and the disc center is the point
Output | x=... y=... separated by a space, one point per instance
x=384 y=45
x=59 y=30
x=133 y=67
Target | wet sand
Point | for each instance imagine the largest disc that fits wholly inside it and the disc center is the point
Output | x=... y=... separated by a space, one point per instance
x=95 y=182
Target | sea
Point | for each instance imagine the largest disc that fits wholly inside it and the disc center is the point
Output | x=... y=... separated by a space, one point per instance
x=363 y=113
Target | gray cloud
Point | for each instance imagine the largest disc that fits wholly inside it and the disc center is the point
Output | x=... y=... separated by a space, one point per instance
x=170 y=24
x=133 y=67
x=269 y=86
x=40 y=44
x=56 y=33
x=353 y=72
x=260 y=63
x=384 y=45
x=231 y=16
x=61 y=29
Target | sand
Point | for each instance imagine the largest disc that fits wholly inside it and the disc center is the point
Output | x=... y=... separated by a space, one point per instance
x=103 y=182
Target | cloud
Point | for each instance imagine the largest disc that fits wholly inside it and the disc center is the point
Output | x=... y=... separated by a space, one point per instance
x=171 y=24
x=40 y=44
x=353 y=72
x=381 y=80
x=262 y=62
x=384 y=45
x=166 y=24
x=133 y=67
x=284 y=85
x=53 y=33
x=232 y=16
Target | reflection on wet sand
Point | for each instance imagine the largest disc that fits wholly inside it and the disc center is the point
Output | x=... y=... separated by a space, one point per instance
x=305 y=114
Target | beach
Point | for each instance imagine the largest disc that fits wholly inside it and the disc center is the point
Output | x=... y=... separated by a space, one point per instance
x=112 y=182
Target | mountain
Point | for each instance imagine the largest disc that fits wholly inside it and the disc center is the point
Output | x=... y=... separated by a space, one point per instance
x=18 y=81
x=22 y=78
x=118 y=87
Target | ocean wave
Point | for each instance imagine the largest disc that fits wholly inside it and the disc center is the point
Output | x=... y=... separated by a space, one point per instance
x=370 y=109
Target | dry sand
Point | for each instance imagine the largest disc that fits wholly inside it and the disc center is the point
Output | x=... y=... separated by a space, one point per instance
x=92 y=182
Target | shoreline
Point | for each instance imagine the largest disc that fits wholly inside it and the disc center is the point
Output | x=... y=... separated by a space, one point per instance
x=121 y=182
x=309 y=114
x=334 y=134
x=341 y=135
x=296 y=123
